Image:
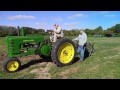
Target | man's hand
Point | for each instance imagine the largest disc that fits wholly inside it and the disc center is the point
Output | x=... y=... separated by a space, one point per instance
x=51 y=31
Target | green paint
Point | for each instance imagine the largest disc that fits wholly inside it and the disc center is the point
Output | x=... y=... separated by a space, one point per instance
x=28 y=40
x=45 y=50
x=27 y=45
x=15 y=43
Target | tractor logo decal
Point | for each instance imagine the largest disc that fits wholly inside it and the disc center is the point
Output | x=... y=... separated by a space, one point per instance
x=28 y=40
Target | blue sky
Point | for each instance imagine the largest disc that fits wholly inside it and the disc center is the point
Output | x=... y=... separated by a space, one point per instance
x=66 y=19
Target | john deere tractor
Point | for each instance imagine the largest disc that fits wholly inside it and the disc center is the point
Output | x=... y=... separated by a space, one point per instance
x=62 y=52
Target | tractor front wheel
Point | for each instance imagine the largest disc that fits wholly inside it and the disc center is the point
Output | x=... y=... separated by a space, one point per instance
x=11 y=65
x=63 y=52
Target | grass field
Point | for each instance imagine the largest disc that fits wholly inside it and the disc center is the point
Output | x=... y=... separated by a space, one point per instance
x=103 y=64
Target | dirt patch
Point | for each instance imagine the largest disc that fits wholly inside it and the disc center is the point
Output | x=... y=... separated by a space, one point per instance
x=3 y=53
x=2 y=57
x=43 y=72
x=30 y=57
x=41 y=69
x=67 y=72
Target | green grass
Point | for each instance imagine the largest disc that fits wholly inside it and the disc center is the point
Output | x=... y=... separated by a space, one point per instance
x=16 y=75
x=103 y=64
x=2 y=41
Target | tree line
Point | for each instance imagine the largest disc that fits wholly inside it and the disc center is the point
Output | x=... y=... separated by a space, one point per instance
x=13 y=31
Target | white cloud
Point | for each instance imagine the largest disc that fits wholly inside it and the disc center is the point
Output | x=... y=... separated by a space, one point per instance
x=76 y=15
x=20 y=17
x=12 y=25
x=115 y=22
x=41 y=25
x=104 y=12
x=58 y=19
x=110 y=15
x=71 y=23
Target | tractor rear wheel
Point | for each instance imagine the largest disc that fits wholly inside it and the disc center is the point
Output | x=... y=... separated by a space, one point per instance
x=63 y=52
x=11 y=65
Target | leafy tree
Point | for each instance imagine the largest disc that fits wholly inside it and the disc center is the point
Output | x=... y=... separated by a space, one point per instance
x=99 y=30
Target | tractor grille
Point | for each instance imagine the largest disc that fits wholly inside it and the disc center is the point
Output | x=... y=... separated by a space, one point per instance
x=11 y=45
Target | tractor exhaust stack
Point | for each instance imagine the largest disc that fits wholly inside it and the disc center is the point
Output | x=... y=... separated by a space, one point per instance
x=18 y=30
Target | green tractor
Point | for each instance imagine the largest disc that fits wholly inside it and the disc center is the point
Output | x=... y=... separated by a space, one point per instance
x=62 y=52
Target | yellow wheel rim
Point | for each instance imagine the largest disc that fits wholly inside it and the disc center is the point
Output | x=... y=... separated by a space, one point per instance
x=66 y=53
x=12 y=65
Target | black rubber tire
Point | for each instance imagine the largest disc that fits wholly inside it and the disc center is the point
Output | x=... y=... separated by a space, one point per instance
x=55 y=51
x=7 y=61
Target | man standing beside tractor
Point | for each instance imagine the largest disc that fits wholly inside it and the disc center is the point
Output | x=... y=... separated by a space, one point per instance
x=82 y=38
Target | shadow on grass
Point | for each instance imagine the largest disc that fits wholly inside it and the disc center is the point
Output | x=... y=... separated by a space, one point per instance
x=76 y=59
x=33 y=62
x=86 y=55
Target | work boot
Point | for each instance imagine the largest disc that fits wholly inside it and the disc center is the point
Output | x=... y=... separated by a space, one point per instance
x=81 y=60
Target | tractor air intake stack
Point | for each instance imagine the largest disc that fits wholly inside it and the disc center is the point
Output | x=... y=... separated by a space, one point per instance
x=21 y=31
x=18 y=30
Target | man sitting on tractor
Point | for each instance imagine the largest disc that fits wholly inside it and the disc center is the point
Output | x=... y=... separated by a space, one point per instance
x=57 y=33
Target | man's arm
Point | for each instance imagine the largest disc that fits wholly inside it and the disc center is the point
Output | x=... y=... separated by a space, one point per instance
x=76 y=38
x=85 y=38
x=58 y=30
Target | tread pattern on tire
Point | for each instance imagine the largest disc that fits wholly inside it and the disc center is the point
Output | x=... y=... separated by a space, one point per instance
x=55 y=50
x=6 y=62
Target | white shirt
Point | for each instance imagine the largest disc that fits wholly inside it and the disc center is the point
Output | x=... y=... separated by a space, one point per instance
x=82 y=39
x=59 y=31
